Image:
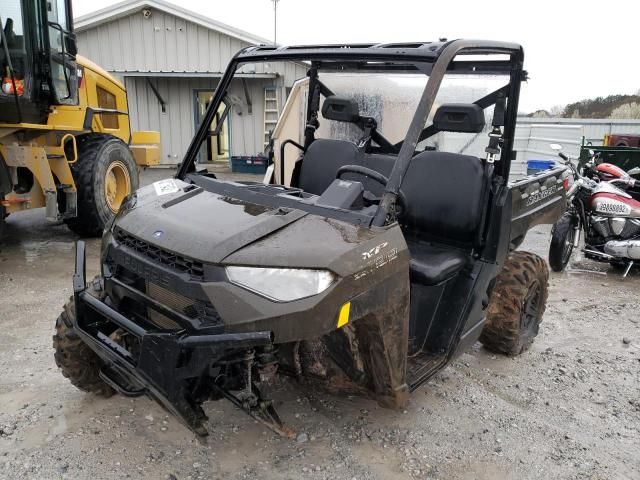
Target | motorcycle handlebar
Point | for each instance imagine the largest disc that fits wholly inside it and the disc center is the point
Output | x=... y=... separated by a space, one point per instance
x=563 y=156
x=625 y=182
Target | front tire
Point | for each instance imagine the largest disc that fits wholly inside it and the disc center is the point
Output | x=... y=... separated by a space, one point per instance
x=105 y=174
x=73 y=357
x=562 y=238
x=517 y=304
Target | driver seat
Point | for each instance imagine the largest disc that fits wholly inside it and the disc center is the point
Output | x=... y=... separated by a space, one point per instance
x=321 y=162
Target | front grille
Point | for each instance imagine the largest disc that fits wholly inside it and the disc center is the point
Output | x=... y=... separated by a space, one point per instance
x=204 y=311
x=172 y=260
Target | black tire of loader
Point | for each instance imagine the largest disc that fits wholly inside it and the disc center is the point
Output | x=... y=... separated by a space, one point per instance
x=75 y=359
x=517 y=304
x=95 y=153
x=559 y=249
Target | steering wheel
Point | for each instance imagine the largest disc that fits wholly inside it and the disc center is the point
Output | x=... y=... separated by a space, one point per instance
x=364 y=171
x=376 y=177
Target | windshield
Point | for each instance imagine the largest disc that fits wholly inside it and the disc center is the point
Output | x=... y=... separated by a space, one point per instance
x=391 y=99
x=12 y=53
x=321 y=114
x=264 y=112
x=380 y=99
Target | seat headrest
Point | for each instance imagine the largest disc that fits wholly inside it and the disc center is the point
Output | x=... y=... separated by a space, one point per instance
x=340 y=109
x=459 y=117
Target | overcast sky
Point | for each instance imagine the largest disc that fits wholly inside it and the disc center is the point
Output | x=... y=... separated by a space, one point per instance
x=573 y=49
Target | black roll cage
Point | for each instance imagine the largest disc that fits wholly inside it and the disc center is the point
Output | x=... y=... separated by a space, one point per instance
x=434 y=59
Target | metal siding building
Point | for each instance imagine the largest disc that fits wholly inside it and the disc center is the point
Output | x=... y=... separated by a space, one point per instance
x=534 y=135
x=168 y=55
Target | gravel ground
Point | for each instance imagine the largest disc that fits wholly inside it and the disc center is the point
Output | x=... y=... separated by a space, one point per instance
x=568 y=408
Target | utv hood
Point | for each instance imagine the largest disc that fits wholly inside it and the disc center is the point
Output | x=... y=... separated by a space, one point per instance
x=213 y=228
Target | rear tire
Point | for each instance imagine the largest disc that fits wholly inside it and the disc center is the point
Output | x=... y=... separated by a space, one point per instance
x=517 y=304
x=562 y=238
x=105 y=174
x=74 y=358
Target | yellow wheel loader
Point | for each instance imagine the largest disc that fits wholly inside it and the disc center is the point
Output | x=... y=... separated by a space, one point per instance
x=65 y=137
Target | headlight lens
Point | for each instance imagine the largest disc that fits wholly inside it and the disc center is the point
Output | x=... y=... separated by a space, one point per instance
x=281 y=284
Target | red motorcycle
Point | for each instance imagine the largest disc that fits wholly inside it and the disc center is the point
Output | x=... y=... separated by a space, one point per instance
x=601 y=206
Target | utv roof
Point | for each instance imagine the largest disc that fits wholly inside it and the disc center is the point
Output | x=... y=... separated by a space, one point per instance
x=410 y=52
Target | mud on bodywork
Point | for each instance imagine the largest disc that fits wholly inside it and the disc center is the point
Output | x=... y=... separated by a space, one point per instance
x=192 y=335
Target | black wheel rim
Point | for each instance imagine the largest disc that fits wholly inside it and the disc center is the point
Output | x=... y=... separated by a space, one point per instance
x=531 y=307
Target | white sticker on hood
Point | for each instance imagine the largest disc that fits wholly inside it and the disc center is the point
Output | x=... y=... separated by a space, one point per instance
x=164 y=187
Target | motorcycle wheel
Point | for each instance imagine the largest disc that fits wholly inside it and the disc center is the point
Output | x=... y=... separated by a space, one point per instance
x=563 y=235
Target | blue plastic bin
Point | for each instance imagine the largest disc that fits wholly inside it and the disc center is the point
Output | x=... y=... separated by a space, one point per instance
x=535 y=166
x=257 y=164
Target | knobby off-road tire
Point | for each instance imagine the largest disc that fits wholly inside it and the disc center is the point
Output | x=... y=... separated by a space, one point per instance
x=74 y=358
x=562 y=238
x=103 y=161
x=517 y=304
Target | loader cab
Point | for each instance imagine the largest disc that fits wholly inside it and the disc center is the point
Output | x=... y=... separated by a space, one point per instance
x=37 y=59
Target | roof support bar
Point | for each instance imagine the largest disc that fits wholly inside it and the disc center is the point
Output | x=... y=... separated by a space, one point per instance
x=386 y=209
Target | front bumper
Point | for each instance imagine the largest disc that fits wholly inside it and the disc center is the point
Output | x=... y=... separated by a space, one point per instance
x=167 y=366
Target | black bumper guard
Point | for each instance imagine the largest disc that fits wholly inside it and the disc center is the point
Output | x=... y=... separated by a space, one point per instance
x=168 y=365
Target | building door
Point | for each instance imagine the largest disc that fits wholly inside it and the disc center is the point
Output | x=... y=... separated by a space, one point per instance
x=216 y=149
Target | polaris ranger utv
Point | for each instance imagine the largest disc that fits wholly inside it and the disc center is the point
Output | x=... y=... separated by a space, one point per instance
x=388 y=251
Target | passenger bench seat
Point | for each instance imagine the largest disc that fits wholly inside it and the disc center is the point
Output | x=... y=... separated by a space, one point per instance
x=430 y=265
x=445 y=195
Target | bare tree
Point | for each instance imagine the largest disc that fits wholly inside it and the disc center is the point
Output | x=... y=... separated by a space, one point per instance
x=628 y=111
x=556 y=111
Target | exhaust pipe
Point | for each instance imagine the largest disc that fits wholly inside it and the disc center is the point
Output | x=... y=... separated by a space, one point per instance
x=623 y=249
x=596 y=253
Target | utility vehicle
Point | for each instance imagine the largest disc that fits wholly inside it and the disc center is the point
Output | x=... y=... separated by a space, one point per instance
x=389 y=251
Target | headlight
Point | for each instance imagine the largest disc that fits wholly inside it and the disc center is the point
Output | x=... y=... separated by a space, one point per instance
x=281 y=284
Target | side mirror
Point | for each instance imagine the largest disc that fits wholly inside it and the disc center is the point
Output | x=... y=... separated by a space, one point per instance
x=555 y=146
x=459 y=117
x=71 y=45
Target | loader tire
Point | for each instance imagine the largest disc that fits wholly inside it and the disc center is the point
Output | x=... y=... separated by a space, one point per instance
x=562 y=238
x=74 y=358
x=105 y=174
x=517 y=304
